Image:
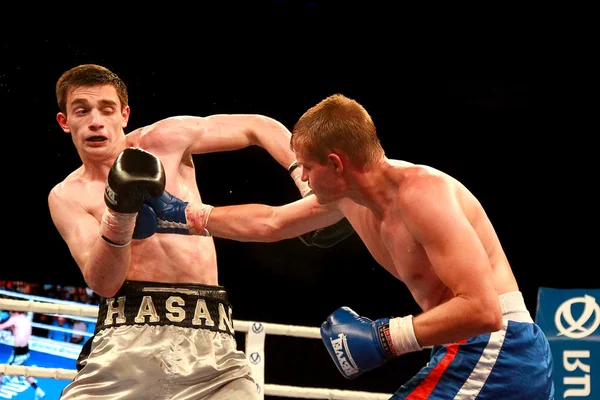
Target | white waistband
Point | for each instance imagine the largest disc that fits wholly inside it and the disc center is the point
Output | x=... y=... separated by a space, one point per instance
x=513 y=307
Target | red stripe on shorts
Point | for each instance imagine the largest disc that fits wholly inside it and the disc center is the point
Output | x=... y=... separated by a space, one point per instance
x=431 y=380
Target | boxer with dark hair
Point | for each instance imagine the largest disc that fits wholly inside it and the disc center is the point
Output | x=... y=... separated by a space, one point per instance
x=165 y=325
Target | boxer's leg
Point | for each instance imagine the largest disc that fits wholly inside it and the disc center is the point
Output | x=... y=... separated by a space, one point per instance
x=211 y=367
x=243 y=388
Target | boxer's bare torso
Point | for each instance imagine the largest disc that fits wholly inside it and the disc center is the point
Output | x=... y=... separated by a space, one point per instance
x=20 y=326
x=394 y=247
x=167 y=258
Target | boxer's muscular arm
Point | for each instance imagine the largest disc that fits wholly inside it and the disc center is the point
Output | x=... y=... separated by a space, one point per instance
x=223 y=132
x=7 y=324
x=262 y=223
x=433 y=215
x=104 y=267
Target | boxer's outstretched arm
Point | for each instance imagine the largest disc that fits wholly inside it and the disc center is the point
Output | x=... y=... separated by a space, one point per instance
x=223 y=132
x=262 y=223
x=103 y=266
x=7 y=324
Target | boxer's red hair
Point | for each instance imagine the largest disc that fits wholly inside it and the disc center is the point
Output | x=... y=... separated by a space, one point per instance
x=338 y=123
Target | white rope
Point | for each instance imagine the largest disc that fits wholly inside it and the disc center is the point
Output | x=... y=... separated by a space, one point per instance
x=47 y=299
x=270 y=389
x=318 y=393
x=47 y=308
x=60 y=329
x=37 y=372
x=240 y=326
x=92 y=311
x=278 y=329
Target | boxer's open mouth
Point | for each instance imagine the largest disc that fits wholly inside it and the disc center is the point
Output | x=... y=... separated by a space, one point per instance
x=96 y=139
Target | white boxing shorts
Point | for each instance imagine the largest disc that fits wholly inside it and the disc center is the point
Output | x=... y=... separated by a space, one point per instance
x=19 y=356
x=514 y=363
x=163 y=341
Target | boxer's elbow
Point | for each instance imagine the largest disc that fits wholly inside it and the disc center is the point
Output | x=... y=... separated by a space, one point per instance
x=488 y=316
x=106 y=293
x=103 y=289
x=490 y=321
x=99 y=284
x=263 y=129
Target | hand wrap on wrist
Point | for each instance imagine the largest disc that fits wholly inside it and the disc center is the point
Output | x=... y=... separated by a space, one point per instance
x=116 y=229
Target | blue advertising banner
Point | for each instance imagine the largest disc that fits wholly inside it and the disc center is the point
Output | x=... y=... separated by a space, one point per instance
x=570 y=318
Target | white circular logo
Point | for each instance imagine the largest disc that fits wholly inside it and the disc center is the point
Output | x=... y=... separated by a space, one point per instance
x=576 y=329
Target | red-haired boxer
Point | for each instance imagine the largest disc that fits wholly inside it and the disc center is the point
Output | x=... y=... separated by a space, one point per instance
x=429 y=231
x=164 y=327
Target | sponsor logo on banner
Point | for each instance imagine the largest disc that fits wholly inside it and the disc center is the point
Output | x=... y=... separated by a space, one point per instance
x=570 y=318
x=587 y=322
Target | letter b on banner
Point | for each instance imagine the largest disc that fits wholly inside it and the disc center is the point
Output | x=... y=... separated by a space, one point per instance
x=570 y=318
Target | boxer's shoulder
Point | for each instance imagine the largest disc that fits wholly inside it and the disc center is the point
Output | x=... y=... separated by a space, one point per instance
x=76 y=188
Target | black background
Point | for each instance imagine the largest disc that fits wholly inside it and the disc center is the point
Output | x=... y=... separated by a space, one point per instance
x=505 y=101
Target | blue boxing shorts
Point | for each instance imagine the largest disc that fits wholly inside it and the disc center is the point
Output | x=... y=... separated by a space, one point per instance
x=163 y=341
x=514 y=363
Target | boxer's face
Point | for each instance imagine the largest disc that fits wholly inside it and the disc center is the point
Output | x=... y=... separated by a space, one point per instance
x=322 y=178
x=95 y=118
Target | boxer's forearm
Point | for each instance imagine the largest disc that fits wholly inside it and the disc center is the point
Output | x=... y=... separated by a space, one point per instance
x=263 y=223
x=455 y=320
x=107 y=263
x=246 y=223
x=106 y=267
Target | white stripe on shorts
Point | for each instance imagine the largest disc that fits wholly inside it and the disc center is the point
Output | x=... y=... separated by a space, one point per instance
x=472 y=386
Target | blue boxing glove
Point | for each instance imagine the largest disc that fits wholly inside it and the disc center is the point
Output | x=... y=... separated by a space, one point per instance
x=357 y=344
x=146 y=223
x=164 y=214
x=167 y=214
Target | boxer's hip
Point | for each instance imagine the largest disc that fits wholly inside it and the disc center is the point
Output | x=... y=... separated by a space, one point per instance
x=191 y=306
x=514 y=362
x=161 y=341
x=19 y=356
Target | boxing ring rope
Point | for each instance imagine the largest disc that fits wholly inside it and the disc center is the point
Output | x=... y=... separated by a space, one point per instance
x=57 y=307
